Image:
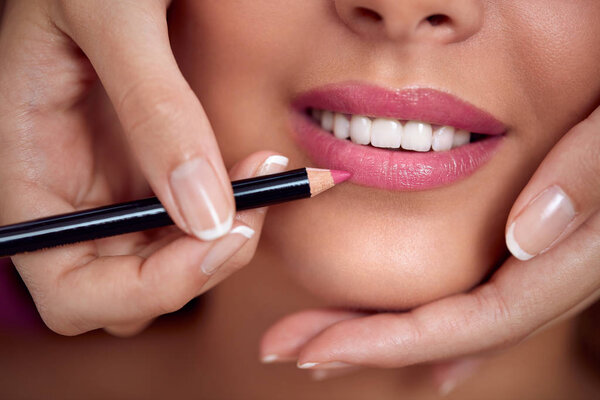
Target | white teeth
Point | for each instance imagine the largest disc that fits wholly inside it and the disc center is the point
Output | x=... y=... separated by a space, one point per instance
x=417 y=136
x=360 y=129
x=442 y=138
x=391 y=133
x=341 y=126
x=327 y=120
x=386 y=133
x=461 y=137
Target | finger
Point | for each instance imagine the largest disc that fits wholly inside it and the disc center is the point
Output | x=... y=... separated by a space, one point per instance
x=270 y=163
x=120 y=290
x=563 y=193
x=128 y=330
x=220 y=257
x=163 y=120
x=513 y=305
x=284 y=340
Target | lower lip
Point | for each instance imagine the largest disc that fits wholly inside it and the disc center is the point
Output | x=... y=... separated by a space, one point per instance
x=391 y=169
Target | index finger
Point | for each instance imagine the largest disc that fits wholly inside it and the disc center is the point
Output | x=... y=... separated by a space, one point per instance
x=162 y=118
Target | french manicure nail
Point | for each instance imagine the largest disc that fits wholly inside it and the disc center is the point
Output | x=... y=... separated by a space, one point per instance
x=307 y=365
x=203 y=202
x=225 y=248
x=540 y=224
x=273 y=164
x=276 y=358
x=269 y=358
x=327 y=365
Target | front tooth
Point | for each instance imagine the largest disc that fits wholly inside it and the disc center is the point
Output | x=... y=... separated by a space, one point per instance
x=461 y=137
x=341 y=126
x=386 y=133
x=442 y=138
x=327 y=121
x=360 y=129
x=417 y=136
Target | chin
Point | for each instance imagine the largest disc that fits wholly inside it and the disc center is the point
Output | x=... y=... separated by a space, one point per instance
x=388 y=255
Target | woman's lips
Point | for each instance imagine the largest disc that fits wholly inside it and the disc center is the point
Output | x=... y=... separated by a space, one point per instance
x=394 y=169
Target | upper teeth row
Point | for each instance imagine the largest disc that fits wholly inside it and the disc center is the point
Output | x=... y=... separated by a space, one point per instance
x=391 y=133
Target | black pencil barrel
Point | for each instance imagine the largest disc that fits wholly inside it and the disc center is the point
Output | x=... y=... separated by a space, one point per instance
x=140 y=215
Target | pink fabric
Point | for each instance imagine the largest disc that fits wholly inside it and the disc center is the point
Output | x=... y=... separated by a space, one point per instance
x=17 y=310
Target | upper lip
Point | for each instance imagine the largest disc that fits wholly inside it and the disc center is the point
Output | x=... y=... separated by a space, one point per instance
x=420 y=104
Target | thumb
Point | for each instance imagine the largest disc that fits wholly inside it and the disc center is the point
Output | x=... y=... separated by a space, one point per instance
x=562 y=195
x=163 y=120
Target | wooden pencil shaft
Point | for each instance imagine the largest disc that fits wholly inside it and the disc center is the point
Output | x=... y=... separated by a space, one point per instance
x=140 y=215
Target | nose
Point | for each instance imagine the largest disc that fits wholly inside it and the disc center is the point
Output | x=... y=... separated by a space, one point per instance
x=441 y=21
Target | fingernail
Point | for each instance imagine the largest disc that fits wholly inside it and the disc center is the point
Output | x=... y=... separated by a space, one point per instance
x=225 y=248
x=276 y=358
x=273 y=165
x=307 y=365
x=327 y=365
x=540 y=224
x=203 y=202
x=269 y=358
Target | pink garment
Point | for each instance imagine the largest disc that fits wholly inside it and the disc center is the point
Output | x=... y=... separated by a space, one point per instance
x=17 y=310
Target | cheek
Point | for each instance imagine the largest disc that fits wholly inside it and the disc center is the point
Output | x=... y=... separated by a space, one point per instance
x=240 y=71
x=554 y=54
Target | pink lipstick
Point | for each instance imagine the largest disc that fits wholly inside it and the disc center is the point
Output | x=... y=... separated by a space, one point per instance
x=395 y=169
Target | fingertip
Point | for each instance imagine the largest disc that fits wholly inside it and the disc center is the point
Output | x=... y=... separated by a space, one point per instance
x=243 y=230
x=206 y=207
x=273 y=164
x=258 y=164
x=513 y=245
x=220 y=230
x=128 y=330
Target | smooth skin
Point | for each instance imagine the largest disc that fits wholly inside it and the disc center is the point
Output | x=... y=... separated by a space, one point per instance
x=135 y=63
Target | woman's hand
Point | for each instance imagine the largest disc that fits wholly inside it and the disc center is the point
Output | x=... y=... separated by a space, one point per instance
x=554 y=223
x=58 y=154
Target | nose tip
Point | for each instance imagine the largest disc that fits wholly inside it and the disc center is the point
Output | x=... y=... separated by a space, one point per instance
x=443 y=21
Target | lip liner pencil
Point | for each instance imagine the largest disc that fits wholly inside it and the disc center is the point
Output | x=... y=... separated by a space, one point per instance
x=140 y=215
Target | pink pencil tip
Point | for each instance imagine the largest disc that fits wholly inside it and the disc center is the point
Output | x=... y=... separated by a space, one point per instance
x=340 y=176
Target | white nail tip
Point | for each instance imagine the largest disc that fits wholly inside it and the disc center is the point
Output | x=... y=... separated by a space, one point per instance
x=277 y=159
x=269 y=358
x=216 y=232
x=307 y=365
x=243 y=230
x=514 y=247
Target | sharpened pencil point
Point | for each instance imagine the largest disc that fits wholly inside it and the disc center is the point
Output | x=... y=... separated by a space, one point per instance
x=340 y=176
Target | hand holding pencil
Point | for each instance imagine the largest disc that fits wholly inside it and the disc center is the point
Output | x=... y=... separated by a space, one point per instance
x=63 y=150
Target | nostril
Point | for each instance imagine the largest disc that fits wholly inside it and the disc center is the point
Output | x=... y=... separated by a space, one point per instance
x=362 y=12
x=437 y=19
